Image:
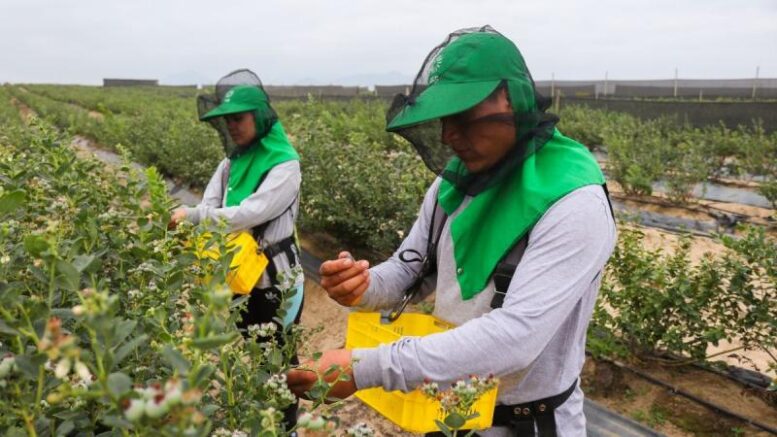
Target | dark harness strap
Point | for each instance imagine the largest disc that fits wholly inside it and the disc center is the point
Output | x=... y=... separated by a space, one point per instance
x=528 y=419
x=505 y=270
x=428 y=261
x=524 y=418
x=287 y=245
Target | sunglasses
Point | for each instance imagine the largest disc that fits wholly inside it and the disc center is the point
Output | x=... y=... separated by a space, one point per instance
x=235 y=118
x=499 y=117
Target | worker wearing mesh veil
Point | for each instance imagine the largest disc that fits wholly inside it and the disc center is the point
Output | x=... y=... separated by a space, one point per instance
x=512 y=237
x=255 y=188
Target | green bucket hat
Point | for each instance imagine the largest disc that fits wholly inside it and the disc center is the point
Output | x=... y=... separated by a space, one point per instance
x=457 y=75
x=462 y=74
x=241 y=98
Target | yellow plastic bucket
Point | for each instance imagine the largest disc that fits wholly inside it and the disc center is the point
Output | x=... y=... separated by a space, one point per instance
x=248 y=262
x=413 y=412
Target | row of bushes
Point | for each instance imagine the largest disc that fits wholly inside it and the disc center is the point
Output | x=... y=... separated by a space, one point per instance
x=380 y=179
x=364 y=186
x=108 y=323
x=660 y=301
x=641 y=153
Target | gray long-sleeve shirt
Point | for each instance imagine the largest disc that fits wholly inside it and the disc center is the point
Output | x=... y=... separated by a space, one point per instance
x=535 y=343
x=277 y=196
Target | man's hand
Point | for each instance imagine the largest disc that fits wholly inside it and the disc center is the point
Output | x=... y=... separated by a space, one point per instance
x=344 y=279
x=302 y=379
x=178 y=216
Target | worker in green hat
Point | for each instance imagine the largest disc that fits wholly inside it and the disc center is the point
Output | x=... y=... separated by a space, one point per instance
x=512 y=237
x=255 y=188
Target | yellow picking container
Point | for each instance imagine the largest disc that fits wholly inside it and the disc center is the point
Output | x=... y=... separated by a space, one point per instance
x=413 y=412
x=248 y=262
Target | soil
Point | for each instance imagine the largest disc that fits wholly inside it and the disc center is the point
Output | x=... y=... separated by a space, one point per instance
x=674 y=415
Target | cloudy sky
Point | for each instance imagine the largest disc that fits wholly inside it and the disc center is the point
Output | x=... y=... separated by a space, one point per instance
x=368 y=42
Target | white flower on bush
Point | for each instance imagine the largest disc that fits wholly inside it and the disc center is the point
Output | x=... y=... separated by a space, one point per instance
x=311 y=421
x=221 y=432
x=134 y=409
x=360 y=430
x=156 y=407
x=155 y=401
x=263 y=330
x=83 y=372
x=7 y=366
x=278 y=390
x=62 y=369
x=173 y=392
x=462 y=395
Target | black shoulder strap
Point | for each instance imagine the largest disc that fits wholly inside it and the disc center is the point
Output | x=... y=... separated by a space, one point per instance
x=428 y=260
x=505 y=270
x=609 y=202
x=439 y=217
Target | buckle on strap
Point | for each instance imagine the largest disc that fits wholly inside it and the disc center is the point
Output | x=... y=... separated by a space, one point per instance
x=276 y=248
x=522 y=418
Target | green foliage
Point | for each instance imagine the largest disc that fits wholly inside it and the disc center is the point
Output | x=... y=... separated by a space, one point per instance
x=108 y=322
x=360 y=183
x=642 y=153
x=652 y=301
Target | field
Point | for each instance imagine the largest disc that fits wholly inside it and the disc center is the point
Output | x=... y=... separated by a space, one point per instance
x=84 y=249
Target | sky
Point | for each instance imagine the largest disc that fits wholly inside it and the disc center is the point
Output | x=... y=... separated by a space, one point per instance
x=371 y=42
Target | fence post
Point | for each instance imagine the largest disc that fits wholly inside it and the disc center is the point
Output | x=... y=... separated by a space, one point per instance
x=552 y=84
x=755 y=82
x=675 y=82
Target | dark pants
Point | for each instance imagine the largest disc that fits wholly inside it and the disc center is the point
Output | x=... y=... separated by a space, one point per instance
x=261 y=310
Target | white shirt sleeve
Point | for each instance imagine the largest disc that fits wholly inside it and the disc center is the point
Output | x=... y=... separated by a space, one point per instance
x=275 y=194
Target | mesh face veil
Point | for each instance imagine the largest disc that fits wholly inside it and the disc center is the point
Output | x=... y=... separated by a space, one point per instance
x=457 y=75
x=239 y=91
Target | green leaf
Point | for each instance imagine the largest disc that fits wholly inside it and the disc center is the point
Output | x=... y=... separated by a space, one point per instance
x=82 y=262
x=65 y=428
x=114 y=421
x=68 y=277
x=455 y=420
x=35 y=245
x=16 y=432
x=443 y=428
x=128 y=347
x=202 y=375
x=29 y=365
x=5 y=329
x=124 y=329
x=176 y=359
x=209 y=410
x=119 y=384
x=214 y=341
x=11 y=201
